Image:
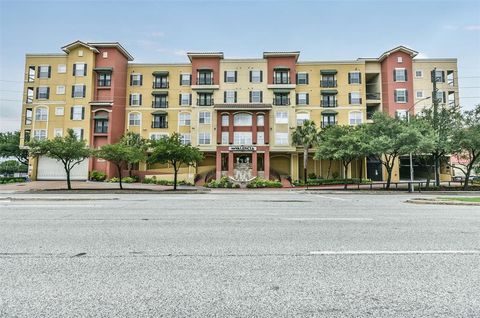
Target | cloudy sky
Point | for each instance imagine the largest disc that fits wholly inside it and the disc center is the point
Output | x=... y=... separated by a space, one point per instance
x=162 y=31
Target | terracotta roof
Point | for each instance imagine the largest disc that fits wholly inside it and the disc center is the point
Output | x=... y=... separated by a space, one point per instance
x=243 y=106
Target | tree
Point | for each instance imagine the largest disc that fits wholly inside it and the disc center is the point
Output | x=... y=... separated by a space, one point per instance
x=466 y=141
x=390 y=138
x=171 y=150
x=10 y=147
x=69 y=150
x=10 y=167
x=120 y=155
x=344 y=143
x=305 y=136
x=136 y=142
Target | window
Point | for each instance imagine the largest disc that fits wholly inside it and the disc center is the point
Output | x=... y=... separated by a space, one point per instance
x=354 y=78
x=401 y=96
x=160 y=81
x=204 y=138
x=260 y=120
x=224 y=137
x=159 y=101
x=78 y=91
x=230 y=97
x=29 y=95
x=205 y=99
x=256 y=76
x=205 y=78
x=451 y=78
x=41 y=113
x=281 y=117
x=418 y=73
x=355 y=118
x=256 y=97
x=281 y=138
x=260 y=138
x=328 y=100
x=242 y=119
x=61 y=90
x=101 y=126
x=105 y=55
x=184 y=119
x=77 y=113
x=31 y=74
x=185 y=139
x=204 y=118
x=440 y=96
x=62 y=68
x=281 y=99
x=59 y=111
x=281 y=77
x=58 y=132
x=302 y=78
x=158 y=136
x=134 y=119
x=104 y=79
x=302 y=99
x=28 y=116
x=26 y=135
x=230 y=76
x=400 y=75
x=440 y=76
x=78 y=133
x=419 y=94
x=40 y=134
x=44 y=71
x=43 y=92
x=401 y=114
x=242 y=138
x=302 y=117
x=354 y=98
x=185 y=99
x=160 y=121
x=328 y=80
x=399 y=59
x=80 y=52
x=136 y=79
x=225 y=120
x=79 y=69
x=328 y=120
x=185 y=79
x=135 y=99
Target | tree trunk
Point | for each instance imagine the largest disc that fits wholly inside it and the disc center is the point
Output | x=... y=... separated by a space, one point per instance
x=345 y=171
x=437 y=170
x=119 y=168
x=175 y=172
x=305 y=163
x=69 y=184
x=389 y=177
x=130 y=167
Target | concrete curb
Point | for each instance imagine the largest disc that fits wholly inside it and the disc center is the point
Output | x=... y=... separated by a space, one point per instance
x=56 y=199
x=441 y=202
x=112 y=191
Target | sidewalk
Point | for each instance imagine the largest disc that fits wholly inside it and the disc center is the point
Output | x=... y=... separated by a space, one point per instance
x=81 y=185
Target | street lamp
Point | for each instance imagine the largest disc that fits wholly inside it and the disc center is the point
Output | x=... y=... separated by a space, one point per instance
x=411 y=187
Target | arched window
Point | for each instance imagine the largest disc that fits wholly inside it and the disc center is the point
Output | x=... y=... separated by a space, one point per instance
x=242 y=119
x=225 y=120
x=302 y=117
x=134 y=119
x=260 y=120
x=41 y=113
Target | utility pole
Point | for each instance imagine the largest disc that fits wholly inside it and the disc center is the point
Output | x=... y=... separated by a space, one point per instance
x=435 y=124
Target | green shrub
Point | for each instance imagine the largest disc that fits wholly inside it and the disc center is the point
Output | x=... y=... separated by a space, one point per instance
x=98 y=175
x=7 y=180
x=224 y=182
x=335 y=175
x=262 y=183
x=314 y=182
x=151 y=180
x=128 y=180
x=114 y=179
x=312 y=175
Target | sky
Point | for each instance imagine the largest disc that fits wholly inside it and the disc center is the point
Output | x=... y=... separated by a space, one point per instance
x=162 y=31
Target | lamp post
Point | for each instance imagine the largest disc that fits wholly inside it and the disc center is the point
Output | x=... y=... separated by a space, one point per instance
x=411 y=187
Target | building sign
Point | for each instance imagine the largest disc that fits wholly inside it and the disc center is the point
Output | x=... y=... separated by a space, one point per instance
x=242 y=148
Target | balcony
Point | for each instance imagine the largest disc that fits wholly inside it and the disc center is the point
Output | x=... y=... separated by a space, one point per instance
x=373 y=96
x=329 y=123
x=328 y=103
x=159 y=104
x=160 y=85
x=208 y=102
x=328 y=83
x=281 y=101
x=157 y=124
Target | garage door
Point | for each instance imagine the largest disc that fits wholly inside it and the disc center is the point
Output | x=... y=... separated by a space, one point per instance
x=51 y=169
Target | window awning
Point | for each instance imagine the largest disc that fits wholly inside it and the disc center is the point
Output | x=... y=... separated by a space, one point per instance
x=329 y=112
x=328 y=72
x=205 y=91
x=159 y=112
x=281 y=67
x=103 y=69
x=281 y=90
x=160 y=93
x=204 y=68
x=158 y=73
x=328 y=91
x=100 y=116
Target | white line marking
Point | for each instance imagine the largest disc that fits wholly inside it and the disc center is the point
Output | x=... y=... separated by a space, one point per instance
x=393 y=252
x=328 y=219
x=331 y=198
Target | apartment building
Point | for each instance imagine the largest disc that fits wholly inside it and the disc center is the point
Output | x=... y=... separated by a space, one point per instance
x=239 y=112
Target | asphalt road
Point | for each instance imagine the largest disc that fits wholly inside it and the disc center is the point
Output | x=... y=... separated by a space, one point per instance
x=242 y=254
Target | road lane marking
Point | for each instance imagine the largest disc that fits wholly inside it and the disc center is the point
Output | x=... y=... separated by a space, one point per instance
x=328 y=219
x=331 y=198
x=419 y=252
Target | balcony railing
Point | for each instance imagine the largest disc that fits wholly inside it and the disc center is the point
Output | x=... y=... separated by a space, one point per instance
x=204 y=81
x=208 y=102
x=330 y=123
x=328 y=83
x=157 y=85
x=281 y=101
x=328 y=103
x=159 y=125
x=373 y=96
x=157 y=104
x=281 y=81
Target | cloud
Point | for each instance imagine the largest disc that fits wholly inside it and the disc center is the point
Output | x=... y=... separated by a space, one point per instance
x=472 y=27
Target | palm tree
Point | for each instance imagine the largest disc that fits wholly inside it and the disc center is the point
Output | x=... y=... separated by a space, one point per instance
x=305 y=136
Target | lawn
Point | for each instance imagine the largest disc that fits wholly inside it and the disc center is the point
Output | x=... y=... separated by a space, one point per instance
x=464 y=199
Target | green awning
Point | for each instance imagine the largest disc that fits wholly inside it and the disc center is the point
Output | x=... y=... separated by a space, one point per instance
x=204 y=91
x=329 y=112
x=103 y=69
x=160 y=93
x=281 y=67
x=101 y=116
x=282 y=90
x=328 y=92
x=159 y=112
x=328 y=72
x=158 y=73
